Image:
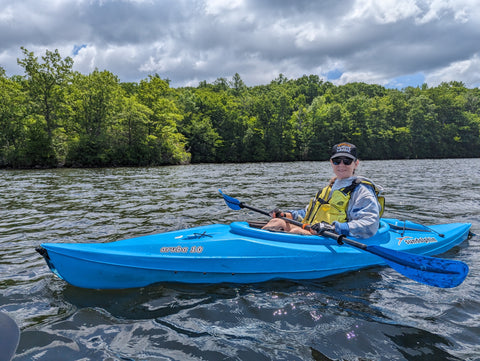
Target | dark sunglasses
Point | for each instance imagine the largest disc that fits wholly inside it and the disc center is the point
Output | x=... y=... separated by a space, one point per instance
x=346 y=161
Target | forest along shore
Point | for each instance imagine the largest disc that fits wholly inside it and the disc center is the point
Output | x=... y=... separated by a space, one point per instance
x=52 y=115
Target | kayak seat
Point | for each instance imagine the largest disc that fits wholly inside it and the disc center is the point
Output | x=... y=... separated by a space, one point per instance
x=257 y=224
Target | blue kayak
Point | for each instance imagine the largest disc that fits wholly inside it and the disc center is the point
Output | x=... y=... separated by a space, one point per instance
x=236 y=253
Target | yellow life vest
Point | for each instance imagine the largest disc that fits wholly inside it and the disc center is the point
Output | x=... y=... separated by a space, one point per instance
x=329 y=208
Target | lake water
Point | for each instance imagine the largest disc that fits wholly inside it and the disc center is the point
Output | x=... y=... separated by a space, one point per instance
x=372 y=314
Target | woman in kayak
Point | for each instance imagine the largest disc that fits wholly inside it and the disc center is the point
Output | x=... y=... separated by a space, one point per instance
x=349 y=205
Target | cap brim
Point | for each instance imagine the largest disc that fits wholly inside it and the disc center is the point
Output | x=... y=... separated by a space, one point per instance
x=348 y=155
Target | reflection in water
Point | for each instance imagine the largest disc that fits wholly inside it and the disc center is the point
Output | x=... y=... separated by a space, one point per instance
x=367 y=314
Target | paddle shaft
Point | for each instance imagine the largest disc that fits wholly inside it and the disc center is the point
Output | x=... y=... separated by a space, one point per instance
x=243 y=205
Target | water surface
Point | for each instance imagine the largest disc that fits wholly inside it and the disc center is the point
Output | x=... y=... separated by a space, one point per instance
x=373 y=314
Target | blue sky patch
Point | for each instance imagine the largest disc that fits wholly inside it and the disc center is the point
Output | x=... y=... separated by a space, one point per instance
x=334 y=74
x=77 y=48
x=404 y=81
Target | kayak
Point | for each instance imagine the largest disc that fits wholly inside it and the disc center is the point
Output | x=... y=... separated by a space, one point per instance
x=236 y=253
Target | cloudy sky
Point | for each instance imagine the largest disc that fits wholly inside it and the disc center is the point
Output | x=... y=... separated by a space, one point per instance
x=395 y=43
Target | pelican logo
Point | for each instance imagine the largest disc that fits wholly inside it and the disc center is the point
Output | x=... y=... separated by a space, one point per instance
x=411 y=240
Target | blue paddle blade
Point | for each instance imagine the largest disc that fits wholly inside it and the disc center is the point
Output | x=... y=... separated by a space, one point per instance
x=233 y=203
x=437 y=272
x=10 y=335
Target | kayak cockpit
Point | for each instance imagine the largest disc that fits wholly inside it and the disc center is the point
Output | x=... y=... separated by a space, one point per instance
x=248 y=230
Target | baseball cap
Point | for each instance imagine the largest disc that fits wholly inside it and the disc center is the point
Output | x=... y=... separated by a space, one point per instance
x=344 y=150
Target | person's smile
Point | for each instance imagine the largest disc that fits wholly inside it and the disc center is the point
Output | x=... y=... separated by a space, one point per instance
x=344 y=167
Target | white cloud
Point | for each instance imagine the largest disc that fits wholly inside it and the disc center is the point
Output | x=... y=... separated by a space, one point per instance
x=365 y=77
x=6 y=16
x=437 y=9
x=466 y=71
x=85 y=59
x=216 y=7
x=383 y=11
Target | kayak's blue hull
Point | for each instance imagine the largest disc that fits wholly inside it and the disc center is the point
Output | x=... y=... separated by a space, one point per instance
x=234 y=253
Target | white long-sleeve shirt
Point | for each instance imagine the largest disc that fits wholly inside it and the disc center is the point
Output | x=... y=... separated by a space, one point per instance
x=363 y=210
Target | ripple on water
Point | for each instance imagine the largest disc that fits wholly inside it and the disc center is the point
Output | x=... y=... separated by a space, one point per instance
x=370 y=314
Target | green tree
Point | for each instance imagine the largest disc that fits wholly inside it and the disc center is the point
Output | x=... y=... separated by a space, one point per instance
x=310 y=87
x=254 y=146
x=238 y=87
x=225 y=114
x=325 y=124
x=202 y=138
x=169 y=143
x=95 y=101
x=424 y=128
x=45 y=83
x=12 y=121
x=132 y=145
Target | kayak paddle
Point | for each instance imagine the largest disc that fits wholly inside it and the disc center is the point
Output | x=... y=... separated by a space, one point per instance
x=10 y=335
x=438 y=272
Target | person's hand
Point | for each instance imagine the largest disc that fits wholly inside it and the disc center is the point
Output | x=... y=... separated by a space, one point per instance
x=275 y=213
x=322 y=227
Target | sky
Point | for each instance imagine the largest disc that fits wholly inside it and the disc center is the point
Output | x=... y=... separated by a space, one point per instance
x=394 y=43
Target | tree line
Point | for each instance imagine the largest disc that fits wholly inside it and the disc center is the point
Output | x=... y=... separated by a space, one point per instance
x=53 y=116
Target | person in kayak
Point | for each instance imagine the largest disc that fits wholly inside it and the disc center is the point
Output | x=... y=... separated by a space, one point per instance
x=349 y=205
